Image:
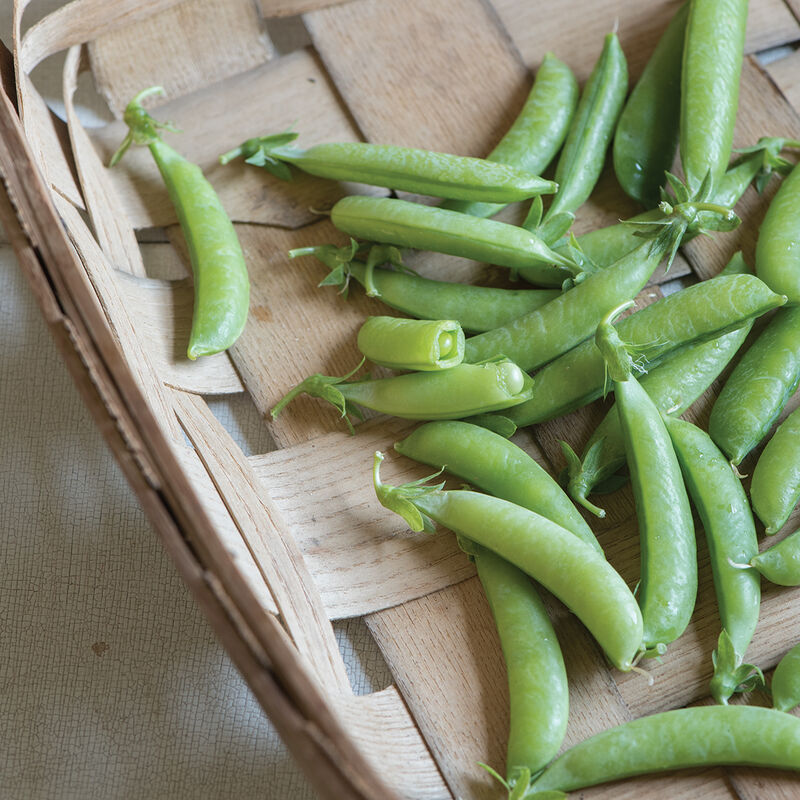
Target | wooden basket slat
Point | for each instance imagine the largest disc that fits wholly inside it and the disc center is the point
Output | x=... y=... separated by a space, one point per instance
x=785 y=72
x=290 y=8
x=248 y=194
x=794 y=6
x=129 y=59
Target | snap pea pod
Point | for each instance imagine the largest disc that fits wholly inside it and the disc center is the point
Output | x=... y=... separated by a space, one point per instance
x=778 y=246
x=687 y=737
x=492 y=463
x=759 y=387
x=668 y=586
x=404 y=168
x=537 y=133
x=475 y=308
x=673 y=386
x=780 y=564
x=786 y=681
x=537 y=679
x=221 y=282
x=712 y=63
x=412 y=344
x=648 y=128
x=398 y=222
x=775 y=488
x=447 y=394
x=730 y=532
x=555 y=328
x=571 y=569
x=697 y=313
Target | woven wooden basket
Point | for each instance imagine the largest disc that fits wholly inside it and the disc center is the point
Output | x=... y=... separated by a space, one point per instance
x=275 y=546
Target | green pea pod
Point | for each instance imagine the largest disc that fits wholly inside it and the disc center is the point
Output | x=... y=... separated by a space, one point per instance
x=572 y=570
x=405 y=224
x=673 y=386
x=412 y=343
x=648 y=129
x=537 y=679
x=221 y=283
x=697 y=313
x=533 y=140
x=581 y=160
x=778 y=246
x=447 y=394
x=492 y=463
x=730 y=532
x=403 y=168
x=775 y=489
x=759 y=387
x=555 y=328
x=704 y=736
x=475 y=308
x=668 y=587
x=780 y=564
x=786 y=681
x=712 y=63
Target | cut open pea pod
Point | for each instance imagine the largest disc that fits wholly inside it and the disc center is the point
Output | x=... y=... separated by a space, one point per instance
x=412 y=344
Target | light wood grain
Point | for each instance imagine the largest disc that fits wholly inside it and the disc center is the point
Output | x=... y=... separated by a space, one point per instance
x=785 y=72
x=290 y=8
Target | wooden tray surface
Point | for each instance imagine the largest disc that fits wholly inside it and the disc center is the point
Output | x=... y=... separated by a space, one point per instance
x=294 y=535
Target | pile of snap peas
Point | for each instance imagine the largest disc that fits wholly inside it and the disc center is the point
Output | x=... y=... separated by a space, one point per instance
x=535 y=354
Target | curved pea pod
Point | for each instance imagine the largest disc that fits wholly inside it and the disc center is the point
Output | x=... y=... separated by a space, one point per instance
x=221 y=282
x=730 y=532
x=555 y=328
x=673 y=386
x=403 y=168
x=537 y=679
x=688 y=737
x=539 y=130
x=668 y=586
x=571 y=569
x=759 y=387
x=775 y=488
x=405 y=224
x=475 y=308
x=780 y=564
x=446 y=394
x=492 y=463
x=412 y=344
x=647 y=132
x=712 y=63
x=778 y=246
x=697 y=313
x=786 y=681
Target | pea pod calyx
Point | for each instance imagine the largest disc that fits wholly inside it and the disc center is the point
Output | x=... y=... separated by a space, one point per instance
x=730 y=673
x=400 y=499
x=142 y=128
x=266 y=152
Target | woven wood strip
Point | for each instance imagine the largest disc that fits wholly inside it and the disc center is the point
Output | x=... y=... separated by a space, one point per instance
x=289 y=8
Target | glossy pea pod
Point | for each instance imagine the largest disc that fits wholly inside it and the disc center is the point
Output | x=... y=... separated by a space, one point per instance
x=780 y=564
x=447 y=394
x=475 y=308
x=759 y=387
x=533 y=140
x=572 y=570
x=704 y=736
x=404 y=168
x=786 y=681
x=730 y=533
x=411 y=344
x=221 y=282
x=648 y=128
x=712 y=63
x=673 y=386
x=492 y=463
x=563 y=323
x=398 y=222
x=537 y=679
x=698 y=313
x=668 y=587
x=775 y=488
x=778 y=246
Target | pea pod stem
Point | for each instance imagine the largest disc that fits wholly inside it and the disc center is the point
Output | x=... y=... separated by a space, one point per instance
x=571 y=569
x=221 y=282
